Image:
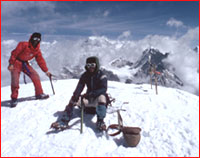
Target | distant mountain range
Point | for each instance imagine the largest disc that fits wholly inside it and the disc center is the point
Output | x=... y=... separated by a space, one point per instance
x=141 y=69
x=121 y=60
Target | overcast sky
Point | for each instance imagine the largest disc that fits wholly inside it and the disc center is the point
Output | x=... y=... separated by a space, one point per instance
x=133 y=20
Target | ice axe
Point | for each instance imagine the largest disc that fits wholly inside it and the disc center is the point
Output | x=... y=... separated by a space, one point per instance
x=82 y=113
x=50 y=78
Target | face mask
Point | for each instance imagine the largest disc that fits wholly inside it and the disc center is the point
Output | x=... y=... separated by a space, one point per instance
x=35 y=41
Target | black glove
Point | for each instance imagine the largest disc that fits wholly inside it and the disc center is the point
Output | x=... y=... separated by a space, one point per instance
x=75 y=98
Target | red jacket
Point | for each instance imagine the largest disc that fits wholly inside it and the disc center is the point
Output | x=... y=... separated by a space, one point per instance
x=25 y=52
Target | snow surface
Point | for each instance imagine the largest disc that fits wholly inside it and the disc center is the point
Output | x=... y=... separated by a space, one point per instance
x=169 y=123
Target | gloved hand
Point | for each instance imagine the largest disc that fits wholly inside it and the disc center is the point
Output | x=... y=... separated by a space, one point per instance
x=74 y=98
x=48 y=74
x=10 y=67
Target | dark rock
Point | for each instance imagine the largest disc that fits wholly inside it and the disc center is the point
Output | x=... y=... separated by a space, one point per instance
x=110 y=75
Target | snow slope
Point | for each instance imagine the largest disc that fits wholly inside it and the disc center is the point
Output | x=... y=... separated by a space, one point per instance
x=169 y=123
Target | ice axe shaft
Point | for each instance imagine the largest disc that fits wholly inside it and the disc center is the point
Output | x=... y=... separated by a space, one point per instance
x=50 y=78
x=82 y=114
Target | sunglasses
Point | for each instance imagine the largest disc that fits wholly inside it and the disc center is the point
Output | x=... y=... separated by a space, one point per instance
x=91 y=65
x=36 y=39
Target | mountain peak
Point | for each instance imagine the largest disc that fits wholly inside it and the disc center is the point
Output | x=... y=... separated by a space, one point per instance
x=151 y=57
x=120 y=62
x=151 y=50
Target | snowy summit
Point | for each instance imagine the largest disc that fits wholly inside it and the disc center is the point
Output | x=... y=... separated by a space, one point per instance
x=169 y=123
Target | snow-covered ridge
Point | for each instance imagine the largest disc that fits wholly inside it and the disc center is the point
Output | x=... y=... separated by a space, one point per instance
x=169 y=123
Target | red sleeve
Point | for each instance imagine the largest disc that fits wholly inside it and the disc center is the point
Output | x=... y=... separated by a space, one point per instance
x=41 y=62
x=15 y=53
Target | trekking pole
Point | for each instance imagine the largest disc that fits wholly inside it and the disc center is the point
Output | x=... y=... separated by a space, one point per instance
x=151 y=71
x=82 y=112
x=50 y=78
x=155 y=80
x=151 y=77
x=156 y=84
x=156 y=73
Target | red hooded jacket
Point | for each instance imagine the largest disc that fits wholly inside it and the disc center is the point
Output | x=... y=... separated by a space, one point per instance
x=25 y=52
